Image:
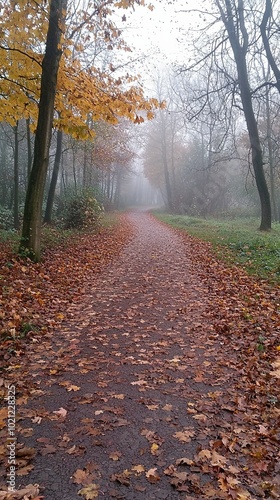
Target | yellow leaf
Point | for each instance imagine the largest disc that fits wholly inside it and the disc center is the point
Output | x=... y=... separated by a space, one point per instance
x=90 y=492
x=138 y=469
x=73 y=388
x=154 y=449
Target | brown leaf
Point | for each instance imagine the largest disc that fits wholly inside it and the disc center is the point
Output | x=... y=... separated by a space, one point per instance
x=152 y=475
x=80 y=477
x=122 y=478
x=48 y=450
x=115 y=455
x=184 y=436
x=184 y=461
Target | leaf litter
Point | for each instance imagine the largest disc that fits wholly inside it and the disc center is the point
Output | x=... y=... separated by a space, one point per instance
x=151 y=383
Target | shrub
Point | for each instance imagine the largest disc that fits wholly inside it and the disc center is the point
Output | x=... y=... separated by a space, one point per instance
x=6 y=219
x=82 y=211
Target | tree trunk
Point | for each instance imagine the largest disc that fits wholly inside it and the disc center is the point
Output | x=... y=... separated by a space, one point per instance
x=29 y=149
x=168 y=187
x=16 y=173
x=270 y=156
x=240 y=51
x=30 y=244
x=4 y=177
x=270 y=57
x=50 y=200
x=257 y=156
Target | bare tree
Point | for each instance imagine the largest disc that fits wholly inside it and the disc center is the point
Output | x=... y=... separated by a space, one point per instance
x=233 y=17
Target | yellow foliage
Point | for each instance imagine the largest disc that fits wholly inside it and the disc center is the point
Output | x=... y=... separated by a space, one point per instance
x=82 y=90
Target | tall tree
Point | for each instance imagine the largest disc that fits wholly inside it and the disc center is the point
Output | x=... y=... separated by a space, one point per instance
x=30 y=243
x=51 y=193
x=233 y=17
x=16 y=178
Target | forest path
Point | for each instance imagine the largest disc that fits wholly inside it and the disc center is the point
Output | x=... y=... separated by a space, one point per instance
x=152 y=384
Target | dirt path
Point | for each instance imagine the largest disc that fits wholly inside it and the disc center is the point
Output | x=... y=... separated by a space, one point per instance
x=153 y=393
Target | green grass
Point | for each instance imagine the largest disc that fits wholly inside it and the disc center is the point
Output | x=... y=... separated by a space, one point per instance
x=53 y=236
x=236 y=241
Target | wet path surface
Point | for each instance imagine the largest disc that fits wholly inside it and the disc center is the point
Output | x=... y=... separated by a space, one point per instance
x=134 y=377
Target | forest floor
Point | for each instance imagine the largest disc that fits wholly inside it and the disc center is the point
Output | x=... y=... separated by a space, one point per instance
x=159 y=379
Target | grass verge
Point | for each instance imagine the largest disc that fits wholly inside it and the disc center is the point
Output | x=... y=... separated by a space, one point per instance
x=236 y=241
x=53 y=236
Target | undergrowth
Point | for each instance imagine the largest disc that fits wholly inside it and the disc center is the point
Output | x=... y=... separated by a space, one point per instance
x=54 y=236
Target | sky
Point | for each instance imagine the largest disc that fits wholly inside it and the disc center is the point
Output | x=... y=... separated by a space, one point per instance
x=161 y=35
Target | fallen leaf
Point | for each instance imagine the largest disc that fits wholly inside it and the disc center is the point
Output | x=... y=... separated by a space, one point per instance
x=73 y=388
x=138 y=469
x=80 y=477
x=154 y=449
x=115 y=455
x=61 y=412
x=184 y=436
x=48 y=450
x=27 y=493
x=90 y=491
x=184 y=461
x=152 y=475
x=122 y=478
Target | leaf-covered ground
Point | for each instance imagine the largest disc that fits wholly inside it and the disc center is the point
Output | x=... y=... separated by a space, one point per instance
x=161 y=382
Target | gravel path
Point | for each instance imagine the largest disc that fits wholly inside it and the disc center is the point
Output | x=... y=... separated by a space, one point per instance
x=135 y=367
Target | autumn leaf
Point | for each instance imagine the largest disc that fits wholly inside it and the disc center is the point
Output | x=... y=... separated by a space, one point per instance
x=61 y=412
x=154 y=449
x=184 y=436
x=152 y=475
x=48 y=450
x=115 y=455
x=204 y=455
x=200 y=417
x=28 y=492
x=80 y=477
x=89 y=492
x=184 y=461
x=73 y=388
x=139 y=382
x=138 y=469
x=122 y=478
x=167 y=407
x=24 y=471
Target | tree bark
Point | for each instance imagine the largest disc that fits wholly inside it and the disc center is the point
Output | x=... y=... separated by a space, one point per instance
x=168 y=187
x=16 y=180
x=30 y=244
x=240 y=51
x=51 y=194
x=267 y=15
x=29 y=149
x=270 y=156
